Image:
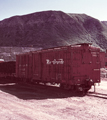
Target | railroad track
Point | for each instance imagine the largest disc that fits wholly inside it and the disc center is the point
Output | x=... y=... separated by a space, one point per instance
x=98 y=95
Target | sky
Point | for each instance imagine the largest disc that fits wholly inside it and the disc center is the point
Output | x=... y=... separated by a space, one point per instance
x=93 y=8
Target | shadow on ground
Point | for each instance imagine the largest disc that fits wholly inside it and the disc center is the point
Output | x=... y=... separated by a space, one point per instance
x=36 y=92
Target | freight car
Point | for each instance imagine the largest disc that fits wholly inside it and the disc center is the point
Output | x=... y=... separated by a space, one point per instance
x=7 y=69
x=73 y=67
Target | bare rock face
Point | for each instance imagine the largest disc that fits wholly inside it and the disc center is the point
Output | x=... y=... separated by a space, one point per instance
x=52 y=28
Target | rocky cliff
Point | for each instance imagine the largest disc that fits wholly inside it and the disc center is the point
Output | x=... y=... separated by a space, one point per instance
x=52 y=28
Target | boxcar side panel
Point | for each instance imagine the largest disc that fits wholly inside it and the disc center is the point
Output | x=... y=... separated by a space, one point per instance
x=96 y=66
x=17 y=65
x=21 y=60
x=30 y=66
x=56 y=65
x=36 y=73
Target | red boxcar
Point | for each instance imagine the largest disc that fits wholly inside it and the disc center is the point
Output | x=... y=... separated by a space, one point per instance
x=24 y=66
x=7 y=69
x=75 y=65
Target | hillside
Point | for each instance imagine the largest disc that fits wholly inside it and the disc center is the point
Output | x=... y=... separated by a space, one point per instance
x=52 y=28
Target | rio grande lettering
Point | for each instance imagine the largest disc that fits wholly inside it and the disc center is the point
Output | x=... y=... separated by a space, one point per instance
x=59 y=61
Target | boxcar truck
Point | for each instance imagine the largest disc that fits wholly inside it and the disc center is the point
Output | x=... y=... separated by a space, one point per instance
x=73 y=67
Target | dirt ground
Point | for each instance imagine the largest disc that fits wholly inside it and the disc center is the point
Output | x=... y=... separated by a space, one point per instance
x=51 y=103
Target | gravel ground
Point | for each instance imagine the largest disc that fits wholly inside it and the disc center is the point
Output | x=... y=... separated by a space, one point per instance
x=52 y=103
